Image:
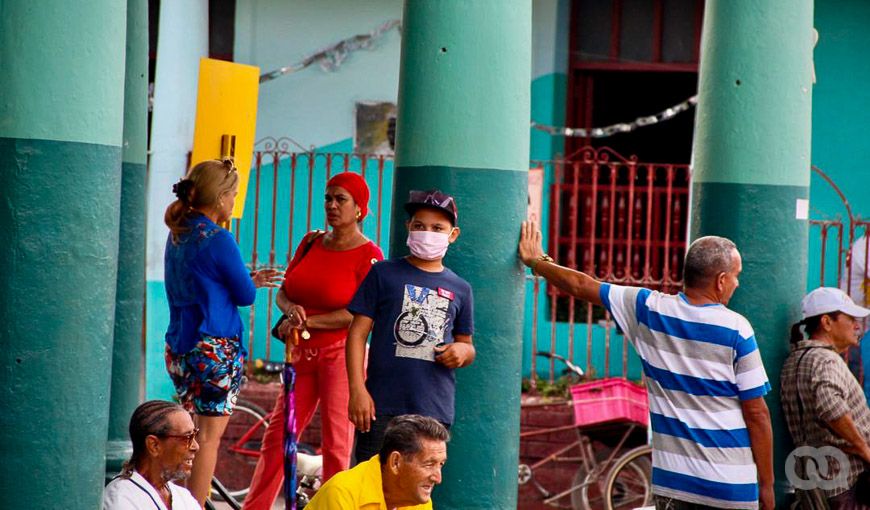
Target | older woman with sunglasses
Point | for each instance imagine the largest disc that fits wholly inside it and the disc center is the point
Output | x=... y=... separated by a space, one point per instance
x=206 y=282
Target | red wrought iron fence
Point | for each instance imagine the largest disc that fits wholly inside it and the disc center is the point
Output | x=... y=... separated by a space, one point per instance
x=622 y=221
x=285 y=201
x=617 y=218
x=843 y=243
x=839 y=245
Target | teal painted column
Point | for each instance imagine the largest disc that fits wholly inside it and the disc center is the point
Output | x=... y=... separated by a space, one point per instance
x=463 y=127
x=752 y=166
x=60 y=157
x=128 y=351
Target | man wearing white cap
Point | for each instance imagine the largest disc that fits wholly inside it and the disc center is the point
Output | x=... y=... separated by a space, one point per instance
x=823 y=403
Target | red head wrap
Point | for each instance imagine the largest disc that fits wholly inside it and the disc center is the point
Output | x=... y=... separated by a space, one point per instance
x=356 y=186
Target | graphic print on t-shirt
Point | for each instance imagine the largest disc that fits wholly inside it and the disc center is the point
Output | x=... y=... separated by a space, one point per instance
x=421 y=324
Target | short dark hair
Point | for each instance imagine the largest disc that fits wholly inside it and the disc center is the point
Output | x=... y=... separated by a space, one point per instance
x=404 y=432
x=707 y=257
x=150 y=418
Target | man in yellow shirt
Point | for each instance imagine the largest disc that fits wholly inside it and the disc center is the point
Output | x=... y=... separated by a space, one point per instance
x=401 y=476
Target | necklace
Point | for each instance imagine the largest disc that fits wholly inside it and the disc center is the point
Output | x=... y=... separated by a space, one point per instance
x=166 y=495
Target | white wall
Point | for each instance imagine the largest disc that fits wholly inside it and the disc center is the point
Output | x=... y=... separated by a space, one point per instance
x=315 y=107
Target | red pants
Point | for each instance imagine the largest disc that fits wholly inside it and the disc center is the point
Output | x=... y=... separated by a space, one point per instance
x=321 y=376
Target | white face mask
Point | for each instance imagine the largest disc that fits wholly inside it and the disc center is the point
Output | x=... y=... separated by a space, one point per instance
x=427 y=245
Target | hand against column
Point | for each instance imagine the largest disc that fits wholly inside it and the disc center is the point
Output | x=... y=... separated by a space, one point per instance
x=529 y=248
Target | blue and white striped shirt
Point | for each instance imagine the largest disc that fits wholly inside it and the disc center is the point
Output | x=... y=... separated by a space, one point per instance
x=700 y=362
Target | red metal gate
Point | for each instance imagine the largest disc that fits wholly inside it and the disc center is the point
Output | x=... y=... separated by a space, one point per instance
x=285 y=194
x=621 y=221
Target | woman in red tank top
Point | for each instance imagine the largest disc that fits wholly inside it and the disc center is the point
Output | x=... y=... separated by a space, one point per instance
x=319 y=283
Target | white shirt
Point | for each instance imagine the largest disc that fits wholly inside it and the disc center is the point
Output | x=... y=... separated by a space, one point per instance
x=136 y=493
x=856 y=285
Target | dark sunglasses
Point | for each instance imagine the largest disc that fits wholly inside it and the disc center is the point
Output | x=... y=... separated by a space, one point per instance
x=190 y=436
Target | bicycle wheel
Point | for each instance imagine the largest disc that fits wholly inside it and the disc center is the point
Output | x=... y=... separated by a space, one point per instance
x=240 y=449
x=629 y=482
x=589 y=494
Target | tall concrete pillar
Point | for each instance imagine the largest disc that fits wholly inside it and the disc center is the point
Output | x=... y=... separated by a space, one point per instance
x=60 y=158
x=463 y=127
x=128 y=351
x=752 y=166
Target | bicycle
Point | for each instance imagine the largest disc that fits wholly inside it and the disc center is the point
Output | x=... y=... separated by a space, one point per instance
x=239 y=456
x=241 y=448
x=620 y=481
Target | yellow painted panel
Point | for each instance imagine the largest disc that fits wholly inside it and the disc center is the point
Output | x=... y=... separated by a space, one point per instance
x=226 y=104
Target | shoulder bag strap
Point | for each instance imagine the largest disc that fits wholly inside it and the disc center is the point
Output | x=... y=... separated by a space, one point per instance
x=797 y=388
x=309 y=241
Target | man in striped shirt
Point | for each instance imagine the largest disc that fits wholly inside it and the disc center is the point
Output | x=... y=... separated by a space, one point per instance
x=712 y=438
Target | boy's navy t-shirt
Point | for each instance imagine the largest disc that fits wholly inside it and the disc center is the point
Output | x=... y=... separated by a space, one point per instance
x=413 y=310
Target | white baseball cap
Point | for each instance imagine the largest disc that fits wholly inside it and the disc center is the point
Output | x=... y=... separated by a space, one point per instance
x=829 y=299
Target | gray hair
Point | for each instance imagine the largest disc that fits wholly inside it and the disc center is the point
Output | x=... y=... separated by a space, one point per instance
x=404 y=432
x=707 y=257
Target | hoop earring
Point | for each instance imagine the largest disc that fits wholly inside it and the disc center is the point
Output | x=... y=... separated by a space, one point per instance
x=358 y=215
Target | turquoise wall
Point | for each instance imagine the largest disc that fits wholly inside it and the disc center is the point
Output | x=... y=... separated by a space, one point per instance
x=841 y=107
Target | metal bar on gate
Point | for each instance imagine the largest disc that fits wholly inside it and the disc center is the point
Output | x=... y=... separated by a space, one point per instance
x=293 y=162
x=254 y=257
x=840 y=251
x=666 y=272
x=310 y=189
x=380 y=197
x=237 y=229
x=363 y=162
x=675 y=222
x=554 y=240
x=591 y=268
x=276 y=159
x=533 y=380
x=572 y=252
x=632 y=172
x=849 y=259
x=824 y=237
x=328 y=172
x=647 y=270
x=613 y=175
x=609 y=275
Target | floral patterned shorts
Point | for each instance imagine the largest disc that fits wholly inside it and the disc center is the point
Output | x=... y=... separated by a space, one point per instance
x=208 y=377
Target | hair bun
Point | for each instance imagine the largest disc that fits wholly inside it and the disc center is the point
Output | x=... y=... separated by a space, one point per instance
x=182 y=190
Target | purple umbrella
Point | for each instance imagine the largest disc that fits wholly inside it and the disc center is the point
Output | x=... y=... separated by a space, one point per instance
x=289 y=424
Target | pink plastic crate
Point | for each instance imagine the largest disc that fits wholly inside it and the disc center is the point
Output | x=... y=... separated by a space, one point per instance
x=610 y=399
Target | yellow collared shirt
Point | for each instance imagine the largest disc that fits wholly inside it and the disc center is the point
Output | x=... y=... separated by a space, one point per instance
x=359 y=488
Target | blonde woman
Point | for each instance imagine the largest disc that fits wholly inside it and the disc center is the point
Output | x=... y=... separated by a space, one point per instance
x=206 y=282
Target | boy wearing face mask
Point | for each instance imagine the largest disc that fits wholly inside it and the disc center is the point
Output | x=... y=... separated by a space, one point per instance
x=420 y=314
